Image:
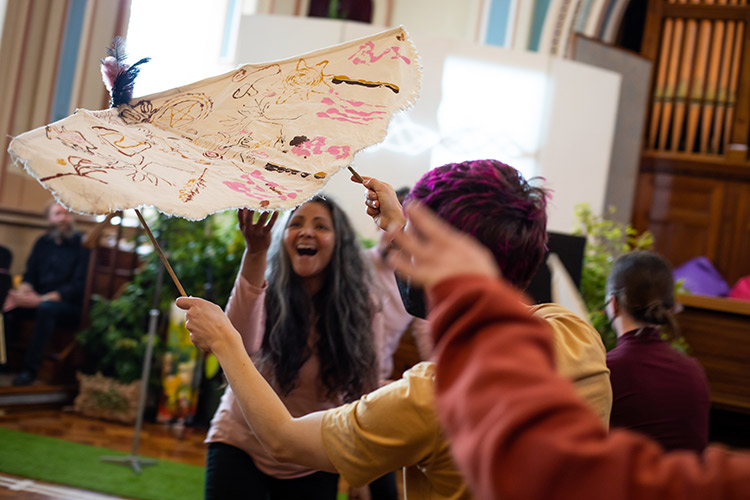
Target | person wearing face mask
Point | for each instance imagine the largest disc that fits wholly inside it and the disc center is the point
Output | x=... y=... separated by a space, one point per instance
x=306 y=321
x=51 y=292
x=656 y=389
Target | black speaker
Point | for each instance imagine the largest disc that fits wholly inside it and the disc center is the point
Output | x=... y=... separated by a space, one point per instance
x=570 y=249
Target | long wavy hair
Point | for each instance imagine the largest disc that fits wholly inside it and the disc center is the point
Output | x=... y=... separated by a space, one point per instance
x=342 y=310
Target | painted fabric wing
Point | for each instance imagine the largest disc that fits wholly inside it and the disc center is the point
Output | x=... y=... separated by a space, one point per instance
x=264 y=136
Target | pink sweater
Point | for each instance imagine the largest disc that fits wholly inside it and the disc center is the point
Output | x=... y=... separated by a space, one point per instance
x=519 y=431
x=246 y=311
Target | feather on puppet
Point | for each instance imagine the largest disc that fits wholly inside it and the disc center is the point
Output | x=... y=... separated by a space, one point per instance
x=119 y=77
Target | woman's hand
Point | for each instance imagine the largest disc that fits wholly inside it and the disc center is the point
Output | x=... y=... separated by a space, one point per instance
x=382 y=203
x=210 y=329
x=257 y=234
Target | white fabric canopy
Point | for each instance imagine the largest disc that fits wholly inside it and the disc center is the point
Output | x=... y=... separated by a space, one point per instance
x=263 y=136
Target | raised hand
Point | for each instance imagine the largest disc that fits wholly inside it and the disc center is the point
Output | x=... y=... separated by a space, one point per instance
x=257 y=234
x=429 y=250
x=382 y=203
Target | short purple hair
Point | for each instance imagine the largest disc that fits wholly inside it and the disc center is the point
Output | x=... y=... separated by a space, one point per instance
x=494 y=203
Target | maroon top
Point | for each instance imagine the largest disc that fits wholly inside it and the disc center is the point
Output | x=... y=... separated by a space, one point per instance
x=658 y=391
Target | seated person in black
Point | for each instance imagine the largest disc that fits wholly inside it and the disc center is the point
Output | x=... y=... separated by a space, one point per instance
x=6 y=257
x=52 y=288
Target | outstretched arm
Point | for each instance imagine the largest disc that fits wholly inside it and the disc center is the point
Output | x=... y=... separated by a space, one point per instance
x=517 y=428
x=287 y=439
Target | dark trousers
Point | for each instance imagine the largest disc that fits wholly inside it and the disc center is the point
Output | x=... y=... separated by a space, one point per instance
x=232 y=475
x=48 y=316
x=384 y=488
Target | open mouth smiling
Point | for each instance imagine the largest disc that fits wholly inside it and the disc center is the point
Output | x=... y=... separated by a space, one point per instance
x=305 y=250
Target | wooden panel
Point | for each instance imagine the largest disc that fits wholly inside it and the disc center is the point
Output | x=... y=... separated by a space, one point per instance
x=684 y=214
x=720 y=340
x=733 y=254
x=694 y=216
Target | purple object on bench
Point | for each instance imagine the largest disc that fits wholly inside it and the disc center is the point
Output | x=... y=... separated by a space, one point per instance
x=701 y=278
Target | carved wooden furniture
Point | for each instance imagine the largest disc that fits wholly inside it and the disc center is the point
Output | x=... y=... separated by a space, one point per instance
x=693 y=188
x=718 y=332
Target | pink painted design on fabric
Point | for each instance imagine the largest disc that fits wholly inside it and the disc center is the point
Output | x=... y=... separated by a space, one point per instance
x=338 y=118
x=355 y=103
x=403 y=58
x=300 y=151
x=334 y=150
x=366 y=51
x=242 y=188
x=316 y=145
x=363 y=113
x=251 y=185
x=360 y=116
x=329 y=101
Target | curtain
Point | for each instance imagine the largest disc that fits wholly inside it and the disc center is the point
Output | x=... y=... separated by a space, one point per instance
x=49 y=55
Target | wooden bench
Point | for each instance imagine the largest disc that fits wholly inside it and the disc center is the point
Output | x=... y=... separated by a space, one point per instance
x=718 y=332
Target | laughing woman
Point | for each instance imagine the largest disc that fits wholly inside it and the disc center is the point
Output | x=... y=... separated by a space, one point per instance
x=307 y=326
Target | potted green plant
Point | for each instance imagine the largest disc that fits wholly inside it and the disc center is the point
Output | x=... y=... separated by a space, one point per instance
x=205 y=255
x=606 y=240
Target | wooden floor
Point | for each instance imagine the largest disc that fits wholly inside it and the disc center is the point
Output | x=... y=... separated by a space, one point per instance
x=158 y=441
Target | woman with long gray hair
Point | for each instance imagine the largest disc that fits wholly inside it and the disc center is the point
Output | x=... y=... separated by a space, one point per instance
x=306 y=322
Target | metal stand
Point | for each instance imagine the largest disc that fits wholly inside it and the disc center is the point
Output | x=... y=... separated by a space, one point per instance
x=133 y=460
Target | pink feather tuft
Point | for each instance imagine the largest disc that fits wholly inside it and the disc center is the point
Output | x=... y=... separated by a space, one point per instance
x=111 y=68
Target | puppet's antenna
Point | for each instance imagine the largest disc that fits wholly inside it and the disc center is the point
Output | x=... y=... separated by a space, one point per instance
x=161 y=254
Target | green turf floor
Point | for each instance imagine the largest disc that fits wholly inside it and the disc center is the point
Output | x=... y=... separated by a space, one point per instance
x=80 y=466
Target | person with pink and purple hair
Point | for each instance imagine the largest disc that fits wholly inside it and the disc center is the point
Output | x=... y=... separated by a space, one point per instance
x=396 y=426
x=495 y=204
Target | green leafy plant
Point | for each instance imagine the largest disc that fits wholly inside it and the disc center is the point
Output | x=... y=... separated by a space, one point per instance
x=205 y=256
x=606 y=240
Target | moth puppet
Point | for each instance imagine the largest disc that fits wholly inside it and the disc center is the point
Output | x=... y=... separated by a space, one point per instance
x=263 y=136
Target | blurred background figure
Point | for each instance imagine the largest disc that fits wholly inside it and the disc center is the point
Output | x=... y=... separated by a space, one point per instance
x=6 y=257
x=657 y=390
x=51 y=291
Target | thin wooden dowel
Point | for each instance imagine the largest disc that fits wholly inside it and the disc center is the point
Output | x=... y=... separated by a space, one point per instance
x=161 y=254
x=356 y=175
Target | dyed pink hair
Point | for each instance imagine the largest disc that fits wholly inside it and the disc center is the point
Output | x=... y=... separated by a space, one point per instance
x=494 y=203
